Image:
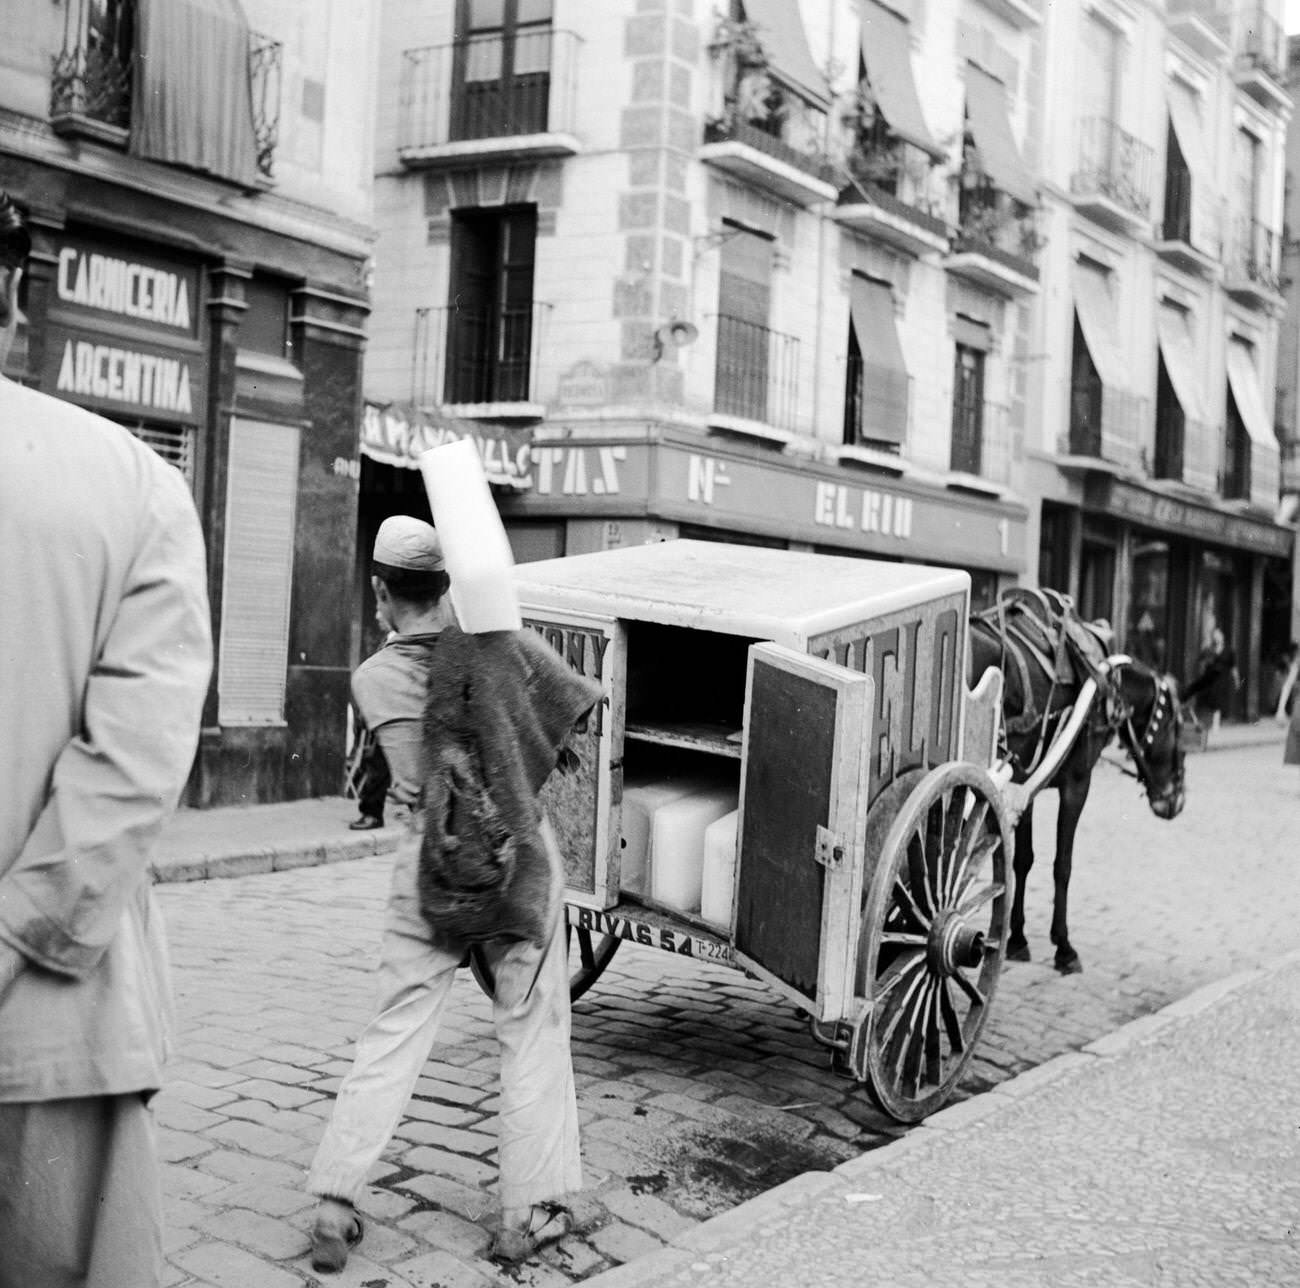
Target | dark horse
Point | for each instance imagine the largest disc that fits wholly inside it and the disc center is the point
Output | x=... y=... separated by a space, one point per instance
x=1133 y=701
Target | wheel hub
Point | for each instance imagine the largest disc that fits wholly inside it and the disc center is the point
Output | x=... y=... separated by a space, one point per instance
x=953 y=944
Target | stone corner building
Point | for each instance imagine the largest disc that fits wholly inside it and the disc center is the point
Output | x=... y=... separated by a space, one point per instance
x=197 y=181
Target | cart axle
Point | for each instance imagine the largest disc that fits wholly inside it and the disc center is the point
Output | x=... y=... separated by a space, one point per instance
x=954 y=944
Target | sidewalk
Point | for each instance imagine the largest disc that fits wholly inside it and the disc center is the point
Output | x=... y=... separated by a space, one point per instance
x=1165 y=1154
x=240 y=840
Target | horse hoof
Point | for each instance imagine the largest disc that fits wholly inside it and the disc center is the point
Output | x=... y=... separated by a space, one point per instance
x=1017 y=952
x=1069 y=964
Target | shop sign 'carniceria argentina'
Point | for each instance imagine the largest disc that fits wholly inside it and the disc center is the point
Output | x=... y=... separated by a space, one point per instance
x=122 y=336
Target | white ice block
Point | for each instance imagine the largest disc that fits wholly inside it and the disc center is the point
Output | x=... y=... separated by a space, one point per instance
x=641 y=798
x=474 y=542
x=718 y=887
x=677 y=843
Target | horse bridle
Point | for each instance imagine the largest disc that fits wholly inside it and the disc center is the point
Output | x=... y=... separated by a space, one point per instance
x=1164 y=709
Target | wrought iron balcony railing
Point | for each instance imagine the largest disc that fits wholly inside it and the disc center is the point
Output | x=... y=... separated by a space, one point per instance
x=1253 y=256
x=991 y=224
x=891 y=174
x=489 y=87
x=769 y=137
x=91 y=78
x=757 y=374
x=464 y=356
x=1114 y=164
x=981 y=440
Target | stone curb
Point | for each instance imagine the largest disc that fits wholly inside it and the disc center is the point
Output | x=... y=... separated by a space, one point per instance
x=275 y=858
x=732 y=1228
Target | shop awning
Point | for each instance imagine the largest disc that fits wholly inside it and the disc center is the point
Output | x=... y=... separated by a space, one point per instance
x=887 y=54
x=1243 y=380
x=396 y=434
x=1179 y=353
x=884 y=379
x=1191 y=142
x=192 y=104
x=1096 y=313
x=784 y=41
x=990 y=127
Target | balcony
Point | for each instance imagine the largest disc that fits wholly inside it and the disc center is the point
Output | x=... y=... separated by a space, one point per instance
x=1105 y=427
x=91 y=79
x=1251 y=272
x=995 y=242
x=756 y=382
x=770 y=138
x=885 y=199
x=1112 y=183
x=479 y=364
x=1259 y=67
x=504 y=97
x=1174 y=236
x=981 y=441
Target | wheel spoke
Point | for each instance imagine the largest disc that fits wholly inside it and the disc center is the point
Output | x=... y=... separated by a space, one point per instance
x=917 y=877
x=911 y=1049
x=950 y=855
x=983 y=853
x=904 y=938
x=933 y=1049
x=900 y=1010
x=901 y=887
x=899 y=972
x=969 y=988
x=951 y=1020
x=982 y=896
x=972 y=827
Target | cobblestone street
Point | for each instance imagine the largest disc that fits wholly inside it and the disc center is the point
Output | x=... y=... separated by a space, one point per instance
x=698 y=1087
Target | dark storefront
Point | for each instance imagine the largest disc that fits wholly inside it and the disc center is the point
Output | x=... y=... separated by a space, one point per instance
x=1166 y=571
x=235 y=352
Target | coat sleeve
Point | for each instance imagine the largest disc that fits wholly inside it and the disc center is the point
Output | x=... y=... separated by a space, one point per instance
x=116 y=782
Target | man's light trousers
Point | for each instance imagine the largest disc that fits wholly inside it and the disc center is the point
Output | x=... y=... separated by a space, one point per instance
x=538 y=1154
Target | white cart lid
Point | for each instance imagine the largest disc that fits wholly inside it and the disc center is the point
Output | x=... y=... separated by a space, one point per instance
x=781 y=595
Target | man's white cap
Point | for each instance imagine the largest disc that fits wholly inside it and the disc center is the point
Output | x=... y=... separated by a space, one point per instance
x=407 y=542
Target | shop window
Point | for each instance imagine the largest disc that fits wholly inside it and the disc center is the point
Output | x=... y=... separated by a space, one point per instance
x=265 y=324
x=502 y=70
x=1148 y=639
x=174 y=443
x=1170 y=427
x=490 y=314
x=1054 y=548
x=968 y=410
x=1097 y=580
x=261 y=507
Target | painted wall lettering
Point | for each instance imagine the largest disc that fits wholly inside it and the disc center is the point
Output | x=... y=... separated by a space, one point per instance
x=837 y=505
x=578 y=471
x=704 y=473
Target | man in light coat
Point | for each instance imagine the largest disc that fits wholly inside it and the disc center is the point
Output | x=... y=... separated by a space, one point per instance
x=104 y=662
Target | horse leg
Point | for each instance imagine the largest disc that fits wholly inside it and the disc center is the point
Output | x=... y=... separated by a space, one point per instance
x=1017 y=944
x=1073 y=796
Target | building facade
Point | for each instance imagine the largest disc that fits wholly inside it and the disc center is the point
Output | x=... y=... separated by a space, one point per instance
x=759 y=272
x=197 y=178
x=1155 y=355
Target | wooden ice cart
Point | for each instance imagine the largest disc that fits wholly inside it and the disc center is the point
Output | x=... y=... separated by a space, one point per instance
x=872 y=862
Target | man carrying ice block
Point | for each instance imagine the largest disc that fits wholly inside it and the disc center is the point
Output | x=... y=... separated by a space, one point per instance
x=472 y=718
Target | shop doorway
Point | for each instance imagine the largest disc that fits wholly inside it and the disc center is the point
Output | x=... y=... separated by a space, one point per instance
x=1097 y=580
x=1217 y=605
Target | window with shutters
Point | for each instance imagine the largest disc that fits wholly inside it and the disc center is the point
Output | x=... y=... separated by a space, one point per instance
x=502 y=69
x=968 y=410
x=490 y=309
x=744 y=339
x=174 y=443
x=257 y=575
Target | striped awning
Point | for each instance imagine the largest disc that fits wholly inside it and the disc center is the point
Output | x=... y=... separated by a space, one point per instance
x=887 y=55
x=990 y=127
x=781 y=33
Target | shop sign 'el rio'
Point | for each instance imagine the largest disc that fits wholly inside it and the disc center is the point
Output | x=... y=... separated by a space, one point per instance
x=123 y=333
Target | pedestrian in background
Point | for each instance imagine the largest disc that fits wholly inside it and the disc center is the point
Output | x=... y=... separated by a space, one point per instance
x=104 y=664
x=1289 y=701
x=1217 y=680
x=538 y=1154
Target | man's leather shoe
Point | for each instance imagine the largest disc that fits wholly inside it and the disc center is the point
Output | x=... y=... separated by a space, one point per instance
x=366 y=823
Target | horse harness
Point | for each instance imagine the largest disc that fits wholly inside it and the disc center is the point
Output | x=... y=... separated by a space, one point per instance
x=1042 y=626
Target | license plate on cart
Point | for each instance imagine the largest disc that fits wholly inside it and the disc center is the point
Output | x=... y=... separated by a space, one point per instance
x=652 y=930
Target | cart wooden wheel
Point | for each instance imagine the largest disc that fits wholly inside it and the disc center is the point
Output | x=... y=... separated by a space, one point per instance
x=933 y=938
x=589 y=953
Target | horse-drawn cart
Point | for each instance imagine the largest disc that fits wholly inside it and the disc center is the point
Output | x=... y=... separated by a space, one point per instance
x=788 y=775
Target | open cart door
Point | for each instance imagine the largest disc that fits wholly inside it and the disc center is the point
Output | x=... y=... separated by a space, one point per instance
x=803 y=803
x=582 y=803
